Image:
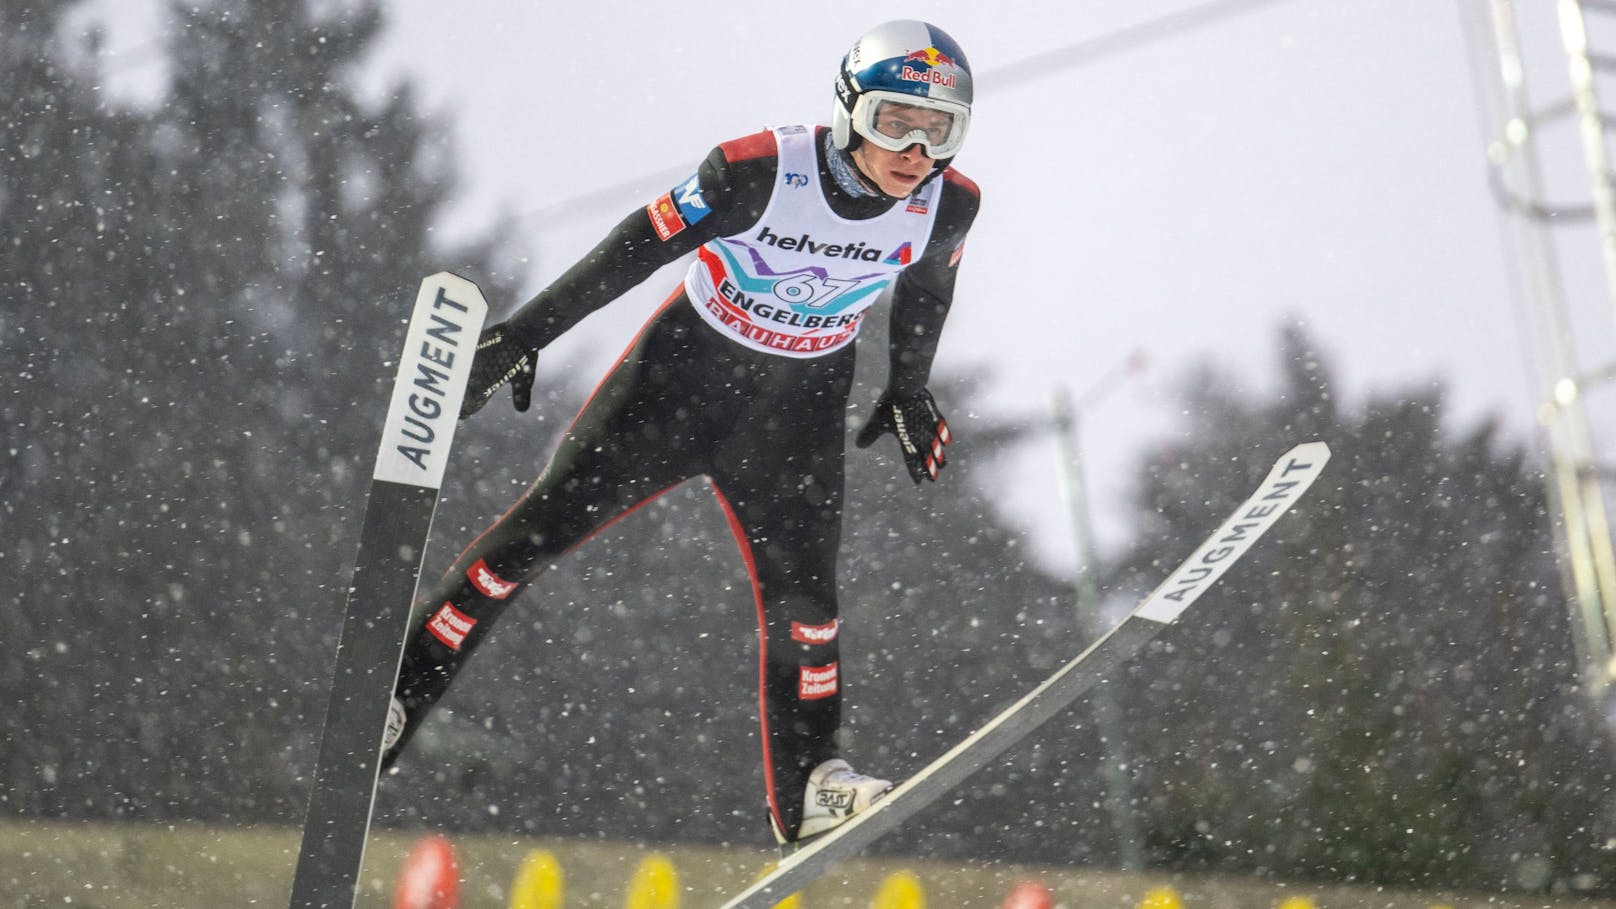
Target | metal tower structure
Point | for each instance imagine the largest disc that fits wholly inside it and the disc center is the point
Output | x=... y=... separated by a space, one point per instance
x=1550 y=170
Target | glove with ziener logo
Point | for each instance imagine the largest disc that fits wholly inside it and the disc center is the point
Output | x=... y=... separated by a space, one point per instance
x=500 y=358
x=919 y=427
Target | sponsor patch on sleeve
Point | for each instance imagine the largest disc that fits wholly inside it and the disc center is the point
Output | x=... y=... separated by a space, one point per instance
x=678 y=208
x=954 y=257
x=688 y=199
x=665 y=217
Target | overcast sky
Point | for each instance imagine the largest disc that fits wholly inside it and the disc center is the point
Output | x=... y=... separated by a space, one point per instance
x=1181 y=188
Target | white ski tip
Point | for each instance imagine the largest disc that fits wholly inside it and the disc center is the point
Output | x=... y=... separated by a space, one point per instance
x=1289 y=478
x=432 y=373
x=1315 y=451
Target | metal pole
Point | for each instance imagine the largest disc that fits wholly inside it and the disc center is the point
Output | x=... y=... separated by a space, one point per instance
x=1591 y=125
x=1107 y=721
x=1574 y=34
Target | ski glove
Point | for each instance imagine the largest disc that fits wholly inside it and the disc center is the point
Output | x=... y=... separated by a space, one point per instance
x=921 y=430
x=500 y=358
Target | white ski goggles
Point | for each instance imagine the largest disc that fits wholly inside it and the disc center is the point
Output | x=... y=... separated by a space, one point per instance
x=895 y=121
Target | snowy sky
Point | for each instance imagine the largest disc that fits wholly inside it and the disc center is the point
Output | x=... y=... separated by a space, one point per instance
x=1180 y=188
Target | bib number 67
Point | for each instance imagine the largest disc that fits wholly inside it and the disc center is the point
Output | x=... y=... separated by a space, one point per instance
x=810 y=290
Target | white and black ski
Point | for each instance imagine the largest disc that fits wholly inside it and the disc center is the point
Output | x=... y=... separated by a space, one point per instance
x=1284 y=485
x=432 y=373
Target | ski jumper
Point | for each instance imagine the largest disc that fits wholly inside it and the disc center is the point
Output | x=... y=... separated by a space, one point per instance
x=742 y=376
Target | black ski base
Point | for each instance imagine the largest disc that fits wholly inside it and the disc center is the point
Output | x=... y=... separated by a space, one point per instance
x=397 y=518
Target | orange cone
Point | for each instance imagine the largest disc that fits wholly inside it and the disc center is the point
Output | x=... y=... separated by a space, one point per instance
x=429 y=877
x=1029 y=895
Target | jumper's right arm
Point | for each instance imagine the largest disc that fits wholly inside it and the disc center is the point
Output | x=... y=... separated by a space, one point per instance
x=718 y=200
x=674 y=224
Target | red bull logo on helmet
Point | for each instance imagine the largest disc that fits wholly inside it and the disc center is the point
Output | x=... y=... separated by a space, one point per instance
x=932 y=59
x=931 y=56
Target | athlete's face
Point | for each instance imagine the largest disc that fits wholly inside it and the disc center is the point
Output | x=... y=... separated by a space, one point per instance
x=894 y=173
x=898 y=173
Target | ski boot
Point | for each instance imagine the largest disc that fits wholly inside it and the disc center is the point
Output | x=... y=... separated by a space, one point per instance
x=835 y=792
x=396 y=719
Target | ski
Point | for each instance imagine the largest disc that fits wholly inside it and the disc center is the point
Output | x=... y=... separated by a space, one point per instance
x=421 y=417
x=1290 y=477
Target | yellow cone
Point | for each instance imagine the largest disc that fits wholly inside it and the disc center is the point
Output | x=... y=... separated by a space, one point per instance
x=901 y=890
x=1162 y=898
x=655 y=885
x=1297 y=902
x=538 y=882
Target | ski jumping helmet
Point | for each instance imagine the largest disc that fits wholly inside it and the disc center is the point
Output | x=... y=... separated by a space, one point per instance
x=910 y=63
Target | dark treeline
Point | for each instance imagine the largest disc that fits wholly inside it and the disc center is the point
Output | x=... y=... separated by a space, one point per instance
x=200 y=301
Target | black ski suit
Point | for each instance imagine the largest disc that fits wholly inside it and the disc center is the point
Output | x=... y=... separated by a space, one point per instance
x=766 y=431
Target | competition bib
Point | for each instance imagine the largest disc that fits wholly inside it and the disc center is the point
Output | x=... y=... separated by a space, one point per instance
x=797 y=282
